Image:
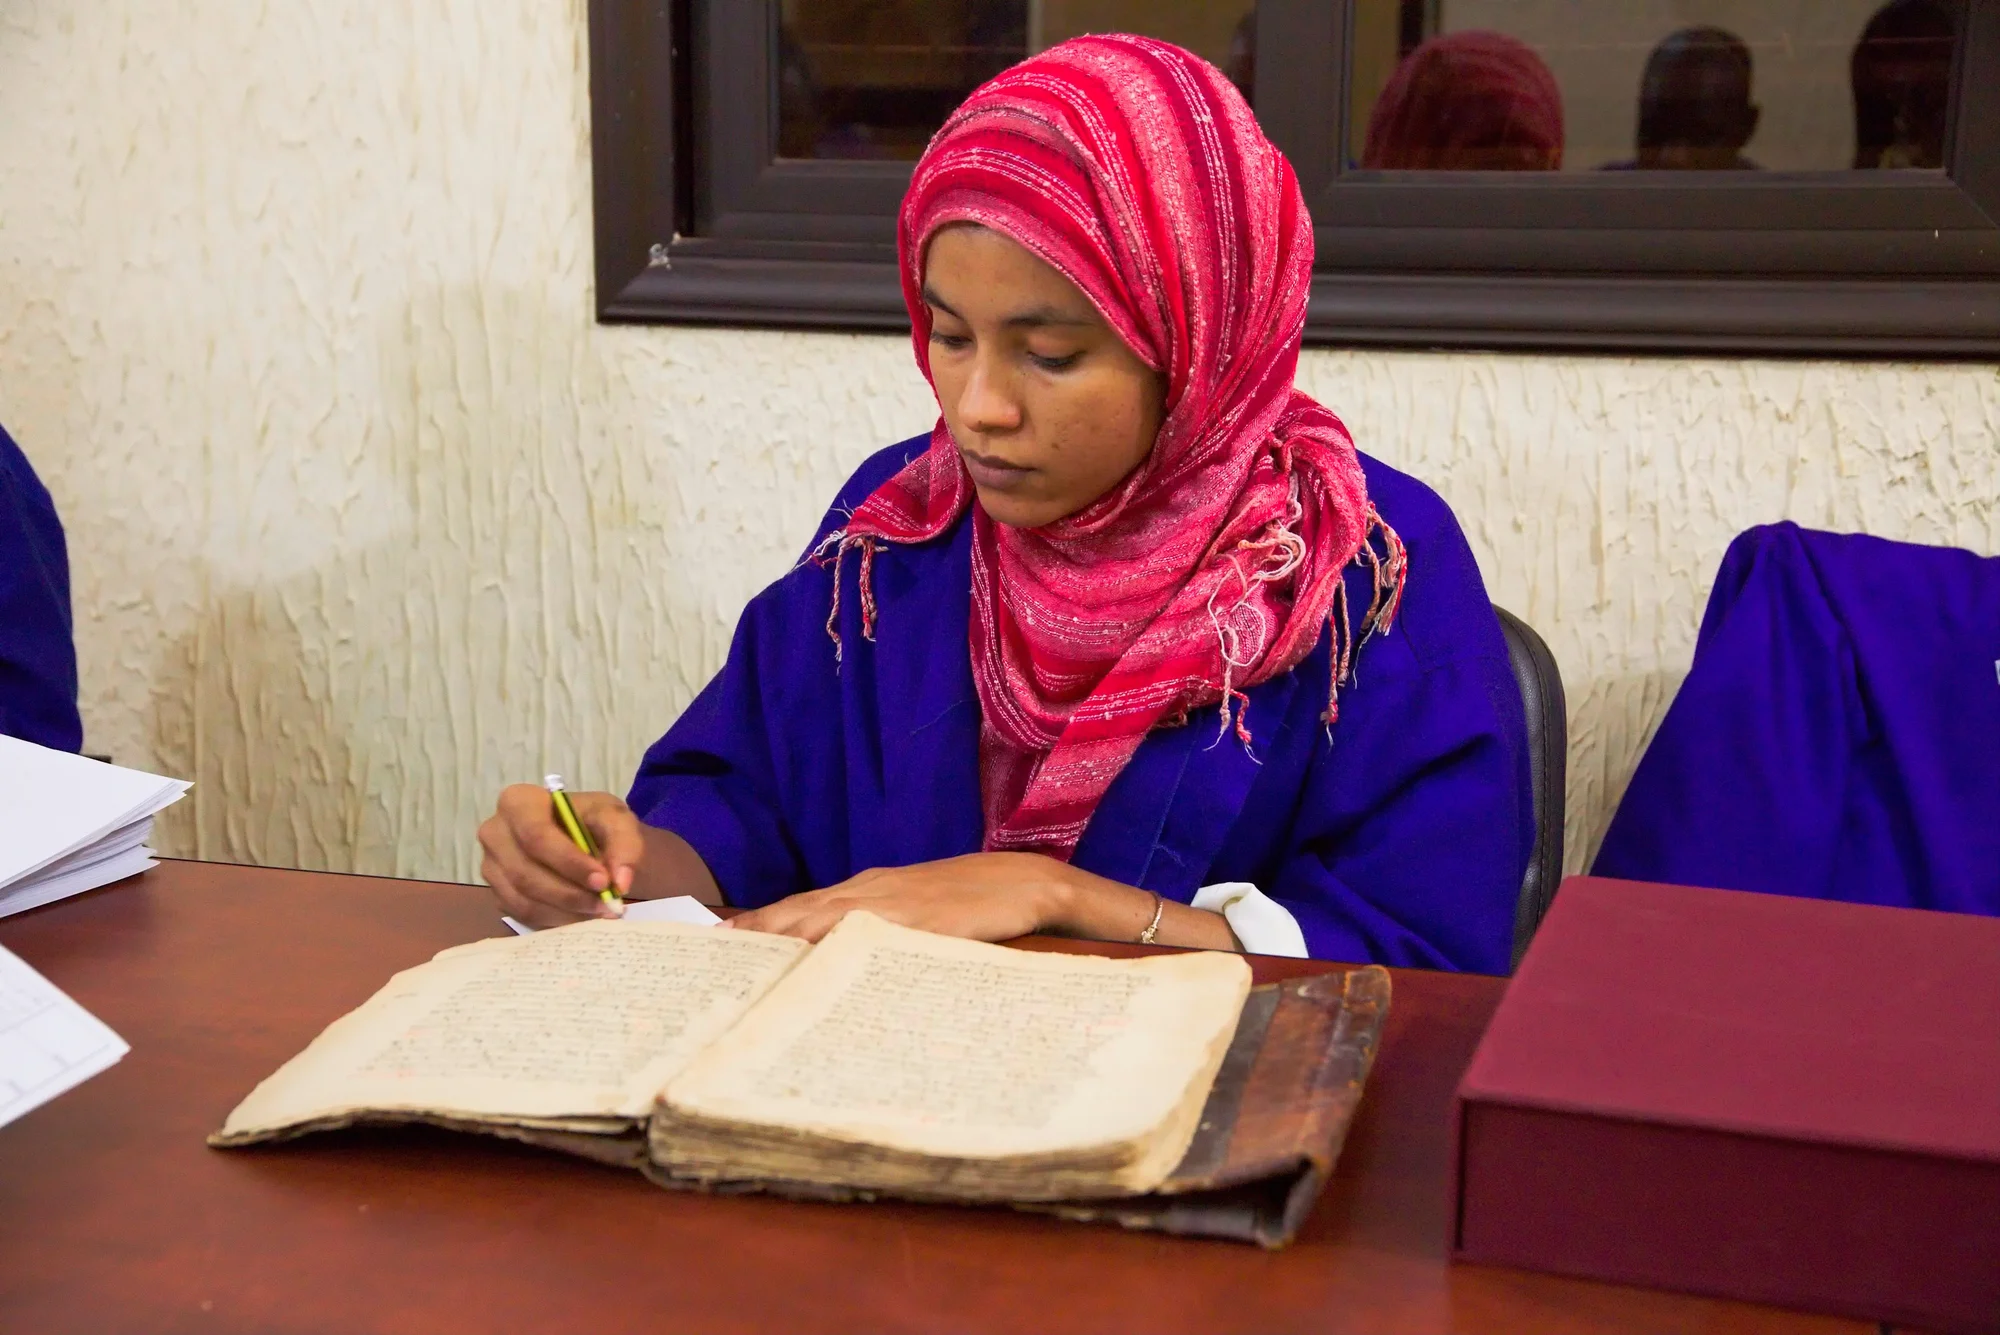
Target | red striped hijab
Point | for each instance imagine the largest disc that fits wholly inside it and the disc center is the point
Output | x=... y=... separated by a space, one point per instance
x=1468 y=101
x=1138 y=172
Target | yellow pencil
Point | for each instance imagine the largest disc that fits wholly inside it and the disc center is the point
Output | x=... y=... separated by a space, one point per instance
x=579 y=834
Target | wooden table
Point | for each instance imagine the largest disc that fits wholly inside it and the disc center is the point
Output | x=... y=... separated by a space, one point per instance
x=114 y=1217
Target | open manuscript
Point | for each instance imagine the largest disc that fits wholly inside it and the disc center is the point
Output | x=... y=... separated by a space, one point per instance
x=882 y=1061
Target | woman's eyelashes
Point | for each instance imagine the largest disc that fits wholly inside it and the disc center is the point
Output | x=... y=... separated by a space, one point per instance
x=953 y=342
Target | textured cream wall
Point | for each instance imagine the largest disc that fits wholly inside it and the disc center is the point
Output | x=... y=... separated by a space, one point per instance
x=368 y=517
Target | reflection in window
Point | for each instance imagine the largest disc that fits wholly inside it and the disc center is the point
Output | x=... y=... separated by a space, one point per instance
x=1468 y=101
x=1902 y=84
x=875 y=78
x=1695 y=112
x=1794 y=85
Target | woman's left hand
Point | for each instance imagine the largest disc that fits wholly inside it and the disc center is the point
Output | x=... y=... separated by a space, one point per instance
x=995 y=897
x=985 y=896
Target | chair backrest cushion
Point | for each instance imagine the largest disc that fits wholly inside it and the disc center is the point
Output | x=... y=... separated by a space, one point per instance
x=1548 y=749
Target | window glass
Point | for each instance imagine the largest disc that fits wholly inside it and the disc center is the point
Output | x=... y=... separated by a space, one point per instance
x=1589 y=85
x=875 y=78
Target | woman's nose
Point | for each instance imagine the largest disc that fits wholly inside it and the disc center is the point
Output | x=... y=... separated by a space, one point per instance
x=988 y=404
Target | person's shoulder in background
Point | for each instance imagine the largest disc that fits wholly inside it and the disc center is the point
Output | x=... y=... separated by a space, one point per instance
x=1445 y=610
x=37 y=653
x=876 y=469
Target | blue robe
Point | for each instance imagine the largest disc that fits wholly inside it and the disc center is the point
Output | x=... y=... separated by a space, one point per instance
x=1402 y=840
x=37 y=657
x=1838 y=735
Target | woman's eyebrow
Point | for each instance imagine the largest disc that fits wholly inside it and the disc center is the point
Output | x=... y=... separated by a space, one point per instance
x=933 y=299
x=1034 y=318
x=1045 y=315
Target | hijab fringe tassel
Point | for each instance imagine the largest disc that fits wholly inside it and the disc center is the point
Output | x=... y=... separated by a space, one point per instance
x=1389 y=570
x=831 y=550
x=1282 y=552
x=1274 y=555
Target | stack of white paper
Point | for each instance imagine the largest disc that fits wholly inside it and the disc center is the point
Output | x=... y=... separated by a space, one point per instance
x=69 y=824
x=48 y=1043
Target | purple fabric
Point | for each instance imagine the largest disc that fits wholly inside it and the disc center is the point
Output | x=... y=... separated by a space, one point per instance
x=37 y=658
x=1402 y=840
x=1838 y=735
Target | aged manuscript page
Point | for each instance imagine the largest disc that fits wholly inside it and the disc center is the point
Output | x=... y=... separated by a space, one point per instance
x=927 y=1045
x=556 y=1028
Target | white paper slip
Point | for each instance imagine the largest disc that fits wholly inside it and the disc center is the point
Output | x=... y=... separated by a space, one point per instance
x=69 y=824
x=680 y=908
x=48 y=1043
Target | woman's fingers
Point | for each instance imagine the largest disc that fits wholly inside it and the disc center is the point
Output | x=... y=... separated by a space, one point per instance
x=515 y=859
x=538 y=883
x=819 y=922
x=616 y=829
x=515 y=905
x=809 y=924
x=766 y=919
x=783 y=917
x=969 y=897
x=511 y=902
x=814 y=913
x=530 y=818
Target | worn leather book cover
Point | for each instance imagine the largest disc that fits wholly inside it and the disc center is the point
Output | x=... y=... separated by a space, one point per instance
x=1757 y=1097
x=1269 y=1135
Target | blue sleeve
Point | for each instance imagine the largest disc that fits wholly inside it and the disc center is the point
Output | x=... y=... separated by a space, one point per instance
x=715 y=778
x=37 y=654
x=1411 y=843
x=1416 y=821
x=754 y=774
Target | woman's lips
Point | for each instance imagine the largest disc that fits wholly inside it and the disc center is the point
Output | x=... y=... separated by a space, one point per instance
x=991 y=474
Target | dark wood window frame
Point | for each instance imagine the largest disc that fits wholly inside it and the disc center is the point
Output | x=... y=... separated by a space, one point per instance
x=696 y=223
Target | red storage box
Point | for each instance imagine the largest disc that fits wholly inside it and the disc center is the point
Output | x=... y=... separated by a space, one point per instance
x=1779 y=1100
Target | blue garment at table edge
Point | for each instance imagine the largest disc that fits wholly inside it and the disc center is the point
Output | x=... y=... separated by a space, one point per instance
x=37 y=655
x=1402 y=840
x=1838 y=735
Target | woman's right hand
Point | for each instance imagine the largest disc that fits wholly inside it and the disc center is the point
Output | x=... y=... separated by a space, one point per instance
x=542 y=878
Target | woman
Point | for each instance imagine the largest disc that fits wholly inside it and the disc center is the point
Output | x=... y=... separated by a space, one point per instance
x=1901 y=76
x=1089 y=658
x=1469 y=101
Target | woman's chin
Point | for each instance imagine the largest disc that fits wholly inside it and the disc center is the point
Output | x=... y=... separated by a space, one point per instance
x=1018 y=511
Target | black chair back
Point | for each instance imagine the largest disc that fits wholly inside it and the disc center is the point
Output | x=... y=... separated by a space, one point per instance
x=1548 y=755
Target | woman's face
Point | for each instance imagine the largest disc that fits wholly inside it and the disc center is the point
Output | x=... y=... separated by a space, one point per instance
x=1050 y=409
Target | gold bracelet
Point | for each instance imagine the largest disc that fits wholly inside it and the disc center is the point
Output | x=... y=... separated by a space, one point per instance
x=1153 y=927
